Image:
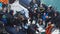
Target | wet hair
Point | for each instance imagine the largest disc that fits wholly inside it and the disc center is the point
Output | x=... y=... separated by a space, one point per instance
x=11 y=12
x=39 y=21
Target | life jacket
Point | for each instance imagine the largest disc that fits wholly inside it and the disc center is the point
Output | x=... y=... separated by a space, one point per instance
x=4 y=1
x=48 y=29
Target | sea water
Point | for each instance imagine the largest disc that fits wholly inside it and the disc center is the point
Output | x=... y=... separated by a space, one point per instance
x=54 y=3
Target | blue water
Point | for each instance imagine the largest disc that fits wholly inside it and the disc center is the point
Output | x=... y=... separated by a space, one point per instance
x=54 y=3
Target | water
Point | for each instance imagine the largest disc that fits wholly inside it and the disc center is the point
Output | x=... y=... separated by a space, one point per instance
x=54 y=3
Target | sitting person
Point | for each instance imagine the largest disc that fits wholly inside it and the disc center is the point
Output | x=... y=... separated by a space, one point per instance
x=40 y=26
x=49 y=28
